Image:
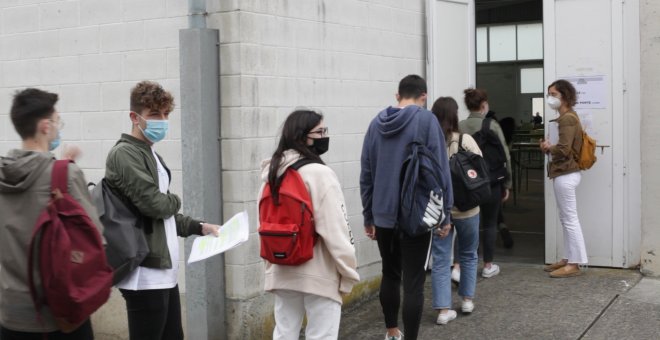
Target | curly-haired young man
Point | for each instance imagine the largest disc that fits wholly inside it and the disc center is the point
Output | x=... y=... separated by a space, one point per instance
x=137 y=173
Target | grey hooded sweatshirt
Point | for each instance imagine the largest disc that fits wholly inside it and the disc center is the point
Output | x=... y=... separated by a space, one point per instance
x=24 y=193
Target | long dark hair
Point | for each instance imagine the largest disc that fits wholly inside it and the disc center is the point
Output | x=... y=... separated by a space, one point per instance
x=446 y=110
x=294 y=136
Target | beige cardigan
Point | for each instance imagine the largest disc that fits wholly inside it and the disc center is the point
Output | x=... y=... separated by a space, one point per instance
x=332 y=271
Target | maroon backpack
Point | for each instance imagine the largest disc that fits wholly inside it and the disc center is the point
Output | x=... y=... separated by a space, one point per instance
x=67 y=249
x=286 y=227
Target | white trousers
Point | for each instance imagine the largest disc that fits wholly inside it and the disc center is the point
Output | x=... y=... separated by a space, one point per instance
x=574 y=248
x=323 y=315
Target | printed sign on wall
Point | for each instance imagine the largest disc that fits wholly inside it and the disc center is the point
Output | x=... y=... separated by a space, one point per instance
x=591 y=91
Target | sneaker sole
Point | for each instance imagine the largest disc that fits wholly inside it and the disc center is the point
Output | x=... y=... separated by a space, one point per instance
x=437 y=322
x=490 y=275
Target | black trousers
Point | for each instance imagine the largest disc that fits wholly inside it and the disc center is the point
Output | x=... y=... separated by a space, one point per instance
x=490 y=210
x=403 y=259
x=153 y=314
x=84 y=332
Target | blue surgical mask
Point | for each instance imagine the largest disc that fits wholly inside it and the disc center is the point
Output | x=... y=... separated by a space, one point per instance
x=54 y=143
x=156 y=129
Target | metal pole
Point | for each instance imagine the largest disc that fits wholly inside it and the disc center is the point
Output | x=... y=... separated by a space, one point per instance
x=202 y=174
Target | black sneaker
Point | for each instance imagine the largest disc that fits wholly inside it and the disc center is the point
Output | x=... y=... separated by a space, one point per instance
x=507 y=240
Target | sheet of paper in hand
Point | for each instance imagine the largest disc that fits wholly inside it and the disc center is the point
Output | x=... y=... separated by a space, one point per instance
x=231 y=234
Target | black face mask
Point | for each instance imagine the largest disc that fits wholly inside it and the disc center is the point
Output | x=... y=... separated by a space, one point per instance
x=320 y=145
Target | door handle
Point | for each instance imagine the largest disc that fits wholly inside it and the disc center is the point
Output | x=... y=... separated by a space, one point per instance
x=602 y=148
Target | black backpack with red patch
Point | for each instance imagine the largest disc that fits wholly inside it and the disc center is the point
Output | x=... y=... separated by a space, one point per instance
x=469 y=178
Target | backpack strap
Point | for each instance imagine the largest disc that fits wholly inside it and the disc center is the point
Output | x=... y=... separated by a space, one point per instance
x=59 y=177
x=485 y=125
x=460 y=142
x=302 y=162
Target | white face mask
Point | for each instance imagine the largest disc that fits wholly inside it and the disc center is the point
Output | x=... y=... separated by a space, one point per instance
x=554 y=102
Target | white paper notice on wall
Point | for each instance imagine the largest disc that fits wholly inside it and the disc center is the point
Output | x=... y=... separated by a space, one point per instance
x=587 y=121
x=232 y=233
x=591 y=91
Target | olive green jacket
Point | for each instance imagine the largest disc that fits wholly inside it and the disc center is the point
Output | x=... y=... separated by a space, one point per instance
x=131 y=172
x=565 y=153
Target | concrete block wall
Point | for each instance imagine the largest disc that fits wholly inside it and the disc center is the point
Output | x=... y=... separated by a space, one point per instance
x=342 y=57
x=650 y=124
x=91 y=52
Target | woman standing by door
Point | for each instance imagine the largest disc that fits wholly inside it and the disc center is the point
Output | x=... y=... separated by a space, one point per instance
x=564 y=171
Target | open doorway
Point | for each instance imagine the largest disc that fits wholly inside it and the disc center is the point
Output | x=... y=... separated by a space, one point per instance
x=509 y=66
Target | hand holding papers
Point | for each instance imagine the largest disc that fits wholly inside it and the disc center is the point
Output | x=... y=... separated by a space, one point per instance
x=232 y=233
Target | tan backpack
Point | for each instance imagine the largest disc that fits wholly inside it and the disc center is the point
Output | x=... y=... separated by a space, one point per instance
x=586 y=156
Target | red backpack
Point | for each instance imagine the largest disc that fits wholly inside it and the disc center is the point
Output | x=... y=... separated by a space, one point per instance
x=286 y=229
x=67 y=249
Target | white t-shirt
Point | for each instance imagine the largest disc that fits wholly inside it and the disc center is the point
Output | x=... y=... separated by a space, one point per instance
x=143 y=278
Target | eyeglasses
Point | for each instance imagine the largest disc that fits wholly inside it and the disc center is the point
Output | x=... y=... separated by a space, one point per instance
x=59 y=124
x=321 y=131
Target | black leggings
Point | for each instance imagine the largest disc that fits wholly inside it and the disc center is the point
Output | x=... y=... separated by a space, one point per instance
x=153 y=314
x=490 y=210
x=84 y=332
x=405 y=257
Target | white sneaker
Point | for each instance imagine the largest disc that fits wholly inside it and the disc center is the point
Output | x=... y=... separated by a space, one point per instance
x=443 y=319
x=456 y=275
x=490 y=272
x=467 y=306
x=390 y=337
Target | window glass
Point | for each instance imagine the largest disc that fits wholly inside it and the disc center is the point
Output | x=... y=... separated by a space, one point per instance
x=502 y=43
x=530 y=41
x=482 y=44
x=531 y=80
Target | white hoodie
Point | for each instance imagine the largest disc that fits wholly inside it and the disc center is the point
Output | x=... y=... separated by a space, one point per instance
x=332 y=270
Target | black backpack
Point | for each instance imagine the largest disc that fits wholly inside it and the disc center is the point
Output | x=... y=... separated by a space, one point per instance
x=493 y=152
x=123 y=224
x=421 y=201
x=469 y=177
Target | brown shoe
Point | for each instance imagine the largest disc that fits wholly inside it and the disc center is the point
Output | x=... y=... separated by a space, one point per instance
x=554 y=266
x=566 y=271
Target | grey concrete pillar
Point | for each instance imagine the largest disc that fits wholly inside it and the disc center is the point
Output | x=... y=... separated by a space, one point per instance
x=202 y=187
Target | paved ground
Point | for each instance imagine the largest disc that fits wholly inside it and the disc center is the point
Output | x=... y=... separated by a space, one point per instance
x=524 y=303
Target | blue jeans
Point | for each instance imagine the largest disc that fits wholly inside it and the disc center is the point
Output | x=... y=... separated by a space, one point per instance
x=468 y=240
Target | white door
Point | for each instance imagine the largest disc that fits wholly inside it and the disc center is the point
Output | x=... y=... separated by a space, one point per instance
x=590 y=43
x=450 y=62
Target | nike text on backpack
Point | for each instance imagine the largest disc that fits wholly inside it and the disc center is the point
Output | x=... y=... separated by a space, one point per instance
x=421 y=201
x=492 y=151
x=587 y=155
x=469 y=178
x=286 y=224
x=67 y=249
x=122 y=228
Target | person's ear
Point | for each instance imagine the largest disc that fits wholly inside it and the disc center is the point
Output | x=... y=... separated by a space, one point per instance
x=134 y=118
x=44 y=126
x=398 y=97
